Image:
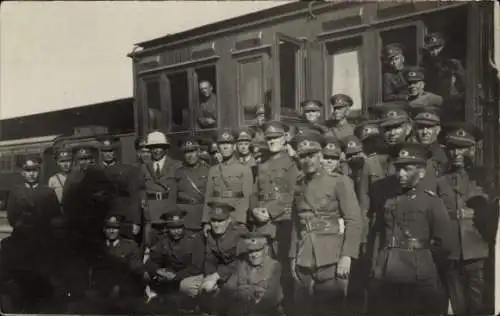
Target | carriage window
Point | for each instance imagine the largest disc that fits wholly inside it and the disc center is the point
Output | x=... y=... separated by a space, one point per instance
x=290 y=72
x=345 y=71
x=179 y=101
x=153 y=99
x=6 y=163
x=206 y=110
x=250 y=86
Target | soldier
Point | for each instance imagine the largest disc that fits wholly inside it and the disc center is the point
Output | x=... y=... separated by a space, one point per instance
x=254 y=288
x=219 y=257
x=171 y=258
x=326 y=233
x=244 y=148
x=143 y=155
x=204 y=150
x=311 y=113
x=191 y=180
x=331 y=155
x=207 y=117
x=160 y=184
x=446 y=76
x=427 y=124
x=414 y=229
x=467 y=204
x=417 y=96
x=260 y=151
x=32 y=205
x=64 y=160
x=214 y=153
x=260 y=119
x=85 y=157
x=338 y=124
x=368 y=132
x=229 y=181
x=395 y=86
x=128 y=182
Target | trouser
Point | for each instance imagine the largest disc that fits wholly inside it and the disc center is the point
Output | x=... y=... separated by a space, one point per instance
x=465 y=286
x=359 y=279
x=319 y=292
x=208 y=302
x=422 y=297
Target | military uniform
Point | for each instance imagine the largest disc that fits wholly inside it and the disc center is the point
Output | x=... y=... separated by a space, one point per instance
x=247 y=135
x=313 y=106
x=467 y=205
x=191 y=182
x=327 y=227
x=414 y=230
x=395 y=86
x=255 y=289
x=424 y=99
x=208 y=109
x=56 y=182
x=229 y=182
x=342 y=128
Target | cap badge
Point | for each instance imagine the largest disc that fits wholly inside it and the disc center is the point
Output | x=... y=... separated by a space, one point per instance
x=30 y=163
x=113 y=219
x=189 y=143
x=176 y=218
x=82 y=151
x=369 y=130
x=404 y=153
x=412 y=74
x=351 y=144
x=218 y=211
x=461 y=133
x=392 y=114
x=63 y=154
x=427 y=115
x=107 y=143
x=226 y=136
x=331 y=146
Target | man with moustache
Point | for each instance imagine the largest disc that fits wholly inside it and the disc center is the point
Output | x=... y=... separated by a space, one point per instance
x=462 y=189
x=228 y=181
x=417 y=96
x=64 y=159
x=338 y=125
x=191 y=180
x=207 y=117
x=326 y=233
x=275 y=192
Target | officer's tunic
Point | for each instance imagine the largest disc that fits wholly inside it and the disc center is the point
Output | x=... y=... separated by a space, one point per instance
x=318 y=244
x=471 y=234
x=395 y=86
x=56 y=183
x=341 y=130
x=426 y=99
x=161 y=190
x=191 y=185
x=232 y=183
x=254 y=290
x=408 y=279
x=439 y=159
x=32 y=207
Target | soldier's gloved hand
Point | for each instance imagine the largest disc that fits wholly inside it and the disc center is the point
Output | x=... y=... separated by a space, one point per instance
x=261 y=214
x=293 y=270
x=210 y=283
x=206 y=229
x=136 y=229
x=344 y=267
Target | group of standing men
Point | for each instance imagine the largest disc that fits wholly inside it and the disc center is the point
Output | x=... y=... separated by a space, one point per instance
x=386 y=217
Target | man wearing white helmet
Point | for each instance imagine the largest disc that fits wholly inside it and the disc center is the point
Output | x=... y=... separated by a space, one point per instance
x=160 y=184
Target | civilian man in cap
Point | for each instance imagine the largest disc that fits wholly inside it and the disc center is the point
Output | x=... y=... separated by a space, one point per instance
x=142 y=153
x=244 y=148
x=207 y=117
x=160 y=184
x=171 y=258
x=395 y=86
x=129 y=183
x=229 y=181
x=275 y=191
x=32 y=205
x=445 y=76
x=260 y=119
x=311 y=113
x=326 y=232
x=191 y=180
x=338 y=124
x=64 y=159
x=254 y=288
x=414 y=231
x=463 y=191
x=219 y=257
x=417 y=96
x=427 y=125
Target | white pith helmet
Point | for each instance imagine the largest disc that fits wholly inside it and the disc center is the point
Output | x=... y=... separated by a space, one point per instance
x=157 y=139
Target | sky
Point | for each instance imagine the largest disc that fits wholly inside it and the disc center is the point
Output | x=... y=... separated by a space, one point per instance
x=57 y=55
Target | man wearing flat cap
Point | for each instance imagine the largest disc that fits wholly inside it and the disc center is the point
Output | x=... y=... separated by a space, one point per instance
x=395 y=86
x=32 y=205
x=244 y=139
x=326 y=232
x=311 y=113
x=417 y=95
x=142 y=153
x=229 y=181
x=332 y=153
x=160 y=184
x=254 y=288
x=219 y=257
x=64 y=159
x=171 y=258
x=85 y=156
x=337 y=124
x=463 y=191
x=260 y=119
x=191 y=180
x=414 y=231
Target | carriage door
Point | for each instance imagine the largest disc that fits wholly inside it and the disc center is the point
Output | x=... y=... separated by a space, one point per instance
x=289 y=80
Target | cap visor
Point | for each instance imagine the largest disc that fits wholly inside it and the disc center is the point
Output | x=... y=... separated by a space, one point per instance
x=393 y=122
x=409 y=161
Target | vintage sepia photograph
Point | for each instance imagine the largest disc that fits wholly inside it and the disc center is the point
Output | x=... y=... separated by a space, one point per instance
x=250 y=158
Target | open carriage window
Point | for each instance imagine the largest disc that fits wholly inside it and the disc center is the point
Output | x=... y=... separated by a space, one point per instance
x=206 y=111
x=178 y=101
x=250 y=85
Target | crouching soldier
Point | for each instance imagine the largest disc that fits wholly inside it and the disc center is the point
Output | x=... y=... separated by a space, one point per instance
x=219 y=258
x=171 y=259
x=254 y=289
x=326 y=233
x=414 y=231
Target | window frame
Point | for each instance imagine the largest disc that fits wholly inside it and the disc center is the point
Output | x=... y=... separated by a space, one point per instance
x=300 y=75
x=167 y=98
x=144 y=100
x=195 y=94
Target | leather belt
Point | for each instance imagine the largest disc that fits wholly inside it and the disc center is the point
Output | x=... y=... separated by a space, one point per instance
x=408 y=243
x=271 y=196
x=181 y=200
x=228 y=194
x=157 y=196
x=461 y=214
